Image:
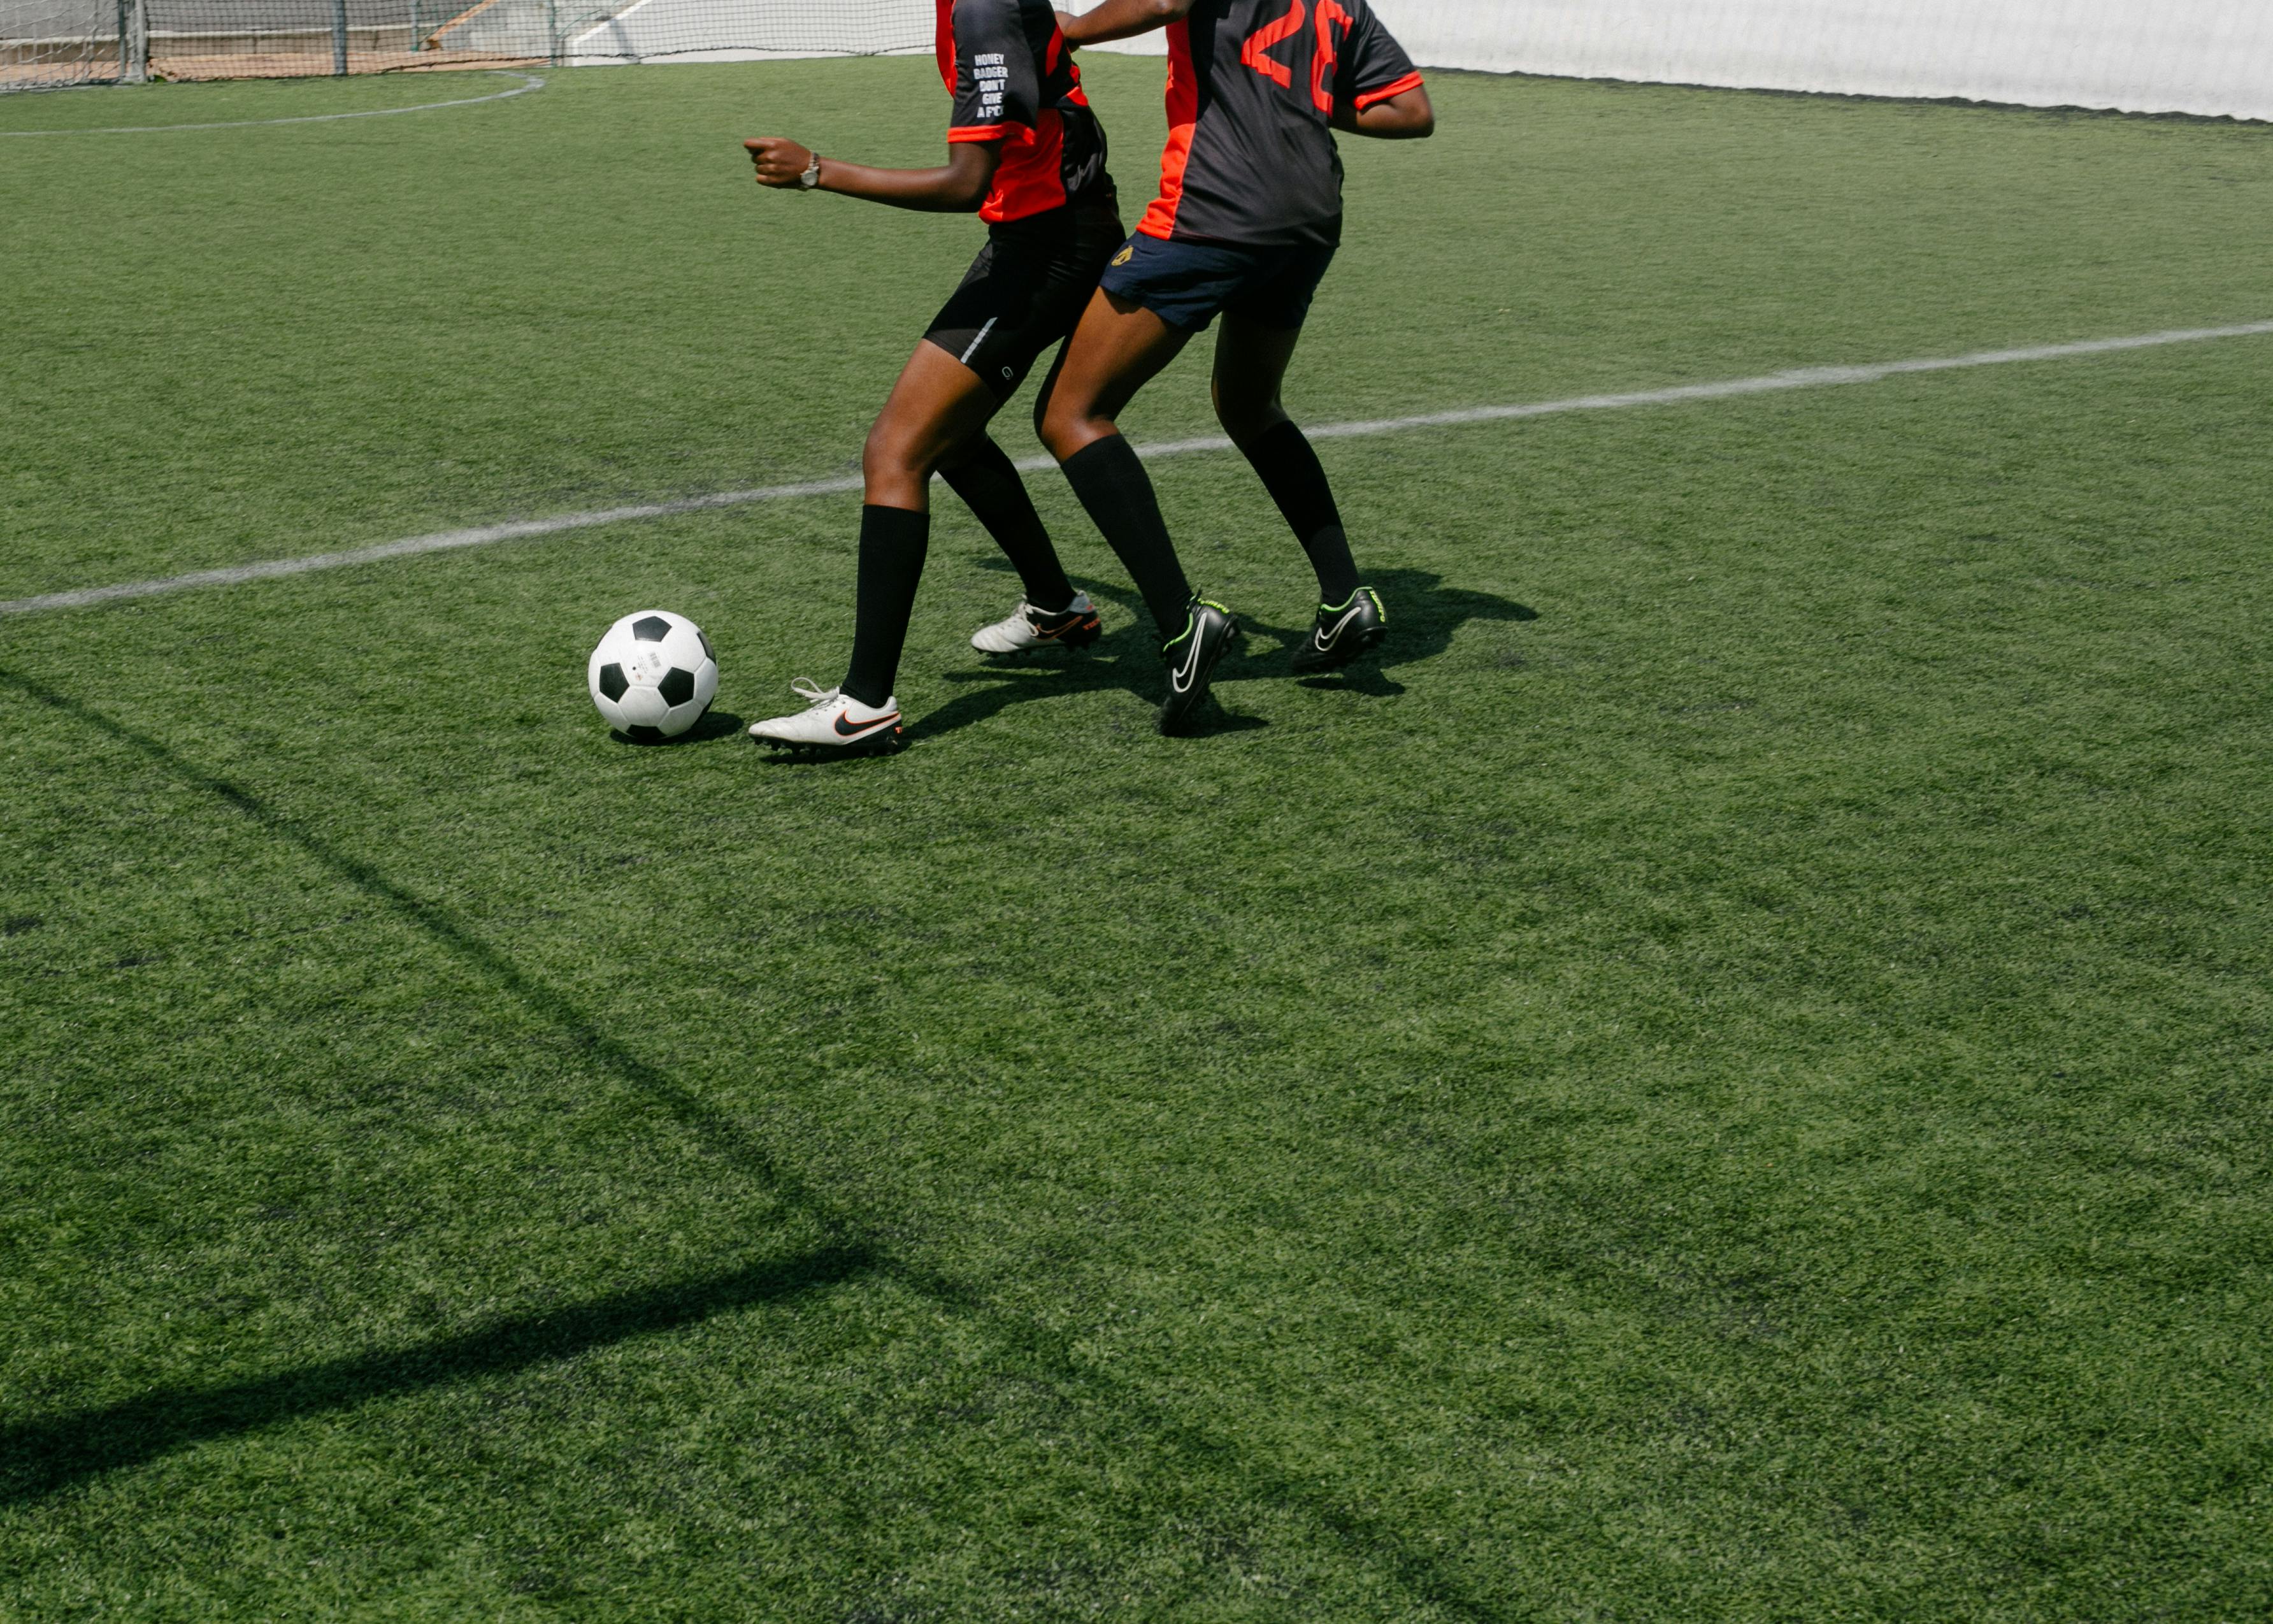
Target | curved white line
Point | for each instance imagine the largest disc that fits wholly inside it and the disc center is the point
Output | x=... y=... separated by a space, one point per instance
x=1726 y=389
x=528 y=82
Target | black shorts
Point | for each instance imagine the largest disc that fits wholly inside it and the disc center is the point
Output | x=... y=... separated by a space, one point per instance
x=1026 y=290
x=1188 y=284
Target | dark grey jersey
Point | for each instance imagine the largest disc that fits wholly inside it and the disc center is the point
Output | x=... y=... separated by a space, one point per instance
x=1252 y=89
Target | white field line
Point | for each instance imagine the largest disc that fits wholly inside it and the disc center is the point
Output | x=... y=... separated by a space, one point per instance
x=482 y=535
x=528 y=82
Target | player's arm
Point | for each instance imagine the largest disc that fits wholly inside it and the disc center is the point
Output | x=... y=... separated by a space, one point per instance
x=957 y=187
x=1121 y=20
x=1406 y=116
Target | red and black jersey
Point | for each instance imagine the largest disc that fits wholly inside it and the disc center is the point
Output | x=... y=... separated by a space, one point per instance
x=1252 y=89
x=1013 y=80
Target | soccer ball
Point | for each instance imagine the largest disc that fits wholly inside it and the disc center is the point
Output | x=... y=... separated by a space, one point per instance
x=653 y=675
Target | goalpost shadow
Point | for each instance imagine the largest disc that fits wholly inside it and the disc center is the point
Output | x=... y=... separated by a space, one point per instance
x=39 y=1459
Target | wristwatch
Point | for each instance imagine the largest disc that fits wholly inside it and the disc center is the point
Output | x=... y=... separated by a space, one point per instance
x=812 y=176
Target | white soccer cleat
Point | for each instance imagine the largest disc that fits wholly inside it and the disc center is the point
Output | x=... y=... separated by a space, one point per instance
x=833 y=723
x=1073 y=626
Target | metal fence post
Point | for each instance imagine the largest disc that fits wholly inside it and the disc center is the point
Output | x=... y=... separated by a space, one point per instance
x=340 y=37
x=134 y=41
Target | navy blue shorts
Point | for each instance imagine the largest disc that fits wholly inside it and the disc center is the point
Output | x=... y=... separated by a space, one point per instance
x=1188 y=284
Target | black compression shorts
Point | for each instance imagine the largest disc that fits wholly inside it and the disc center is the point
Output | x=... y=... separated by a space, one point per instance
x=1026 y=290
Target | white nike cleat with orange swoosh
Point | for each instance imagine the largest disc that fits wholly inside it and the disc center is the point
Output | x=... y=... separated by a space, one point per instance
x=833 y=723
x=1073 y=626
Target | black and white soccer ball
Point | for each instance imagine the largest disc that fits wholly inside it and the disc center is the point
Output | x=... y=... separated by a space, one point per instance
x=653 y=675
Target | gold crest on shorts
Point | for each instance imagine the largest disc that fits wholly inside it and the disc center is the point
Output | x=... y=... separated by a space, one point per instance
x=1124 y=256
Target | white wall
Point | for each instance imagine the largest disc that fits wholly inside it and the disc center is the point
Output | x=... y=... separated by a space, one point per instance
x=2141 y=56
x=734 y=30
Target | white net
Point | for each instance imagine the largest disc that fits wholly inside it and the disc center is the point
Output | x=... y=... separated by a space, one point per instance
x=2213 y=57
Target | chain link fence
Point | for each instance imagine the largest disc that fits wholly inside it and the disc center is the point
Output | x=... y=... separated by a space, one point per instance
x=55 y=42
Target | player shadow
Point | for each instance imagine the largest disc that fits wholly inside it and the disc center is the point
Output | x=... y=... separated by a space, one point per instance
x=39 y=1458
x=1424 y=615
x=712 y=724
x=1123 y=660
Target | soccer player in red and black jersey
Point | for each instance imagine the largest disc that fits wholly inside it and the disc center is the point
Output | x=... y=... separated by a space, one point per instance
x=1025 y=151
x=1249 y=216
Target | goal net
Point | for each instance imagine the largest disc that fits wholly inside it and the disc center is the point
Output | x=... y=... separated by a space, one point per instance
x=62 y=42
x=89 y=41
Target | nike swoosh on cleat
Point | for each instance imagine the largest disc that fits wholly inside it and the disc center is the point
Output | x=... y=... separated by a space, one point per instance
x=1182 y=680
x=843 y=732
x=1326 y=643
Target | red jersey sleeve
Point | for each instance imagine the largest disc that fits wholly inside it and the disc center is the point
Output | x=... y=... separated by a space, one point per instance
x=996 y=85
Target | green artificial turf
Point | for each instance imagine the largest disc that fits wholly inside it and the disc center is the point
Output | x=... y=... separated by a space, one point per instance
x=1726 y=1077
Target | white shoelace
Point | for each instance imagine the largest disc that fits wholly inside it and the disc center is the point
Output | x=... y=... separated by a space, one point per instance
x=814 y=694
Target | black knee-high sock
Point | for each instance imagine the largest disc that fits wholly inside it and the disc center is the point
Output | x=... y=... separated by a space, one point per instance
x=893 y=542
x=1292 y=474
x=1112 y=486
x=990 y=487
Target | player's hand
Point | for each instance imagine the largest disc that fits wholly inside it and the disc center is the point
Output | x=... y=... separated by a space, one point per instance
x=1065 y=21
x=780 y=161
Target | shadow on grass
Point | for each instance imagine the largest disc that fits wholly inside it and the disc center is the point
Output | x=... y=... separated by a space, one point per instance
x=710 y=725
x=719 y=1131
x=43 y=1457
x=1423 y=616
x=38 y=1458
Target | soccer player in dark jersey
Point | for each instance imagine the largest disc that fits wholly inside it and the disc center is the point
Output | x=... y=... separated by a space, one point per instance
x=1025 y=151
x=1249 y=216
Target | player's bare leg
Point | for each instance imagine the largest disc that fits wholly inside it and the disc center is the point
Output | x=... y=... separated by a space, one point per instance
x=1251 y=359
x=1051 y=614
x=1250 y=368
x=1051 y=227
x=938 y=408
x=1117 y=350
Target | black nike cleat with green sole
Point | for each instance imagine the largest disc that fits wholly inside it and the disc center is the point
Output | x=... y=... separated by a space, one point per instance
x=1343 y=631
x=1191 y=659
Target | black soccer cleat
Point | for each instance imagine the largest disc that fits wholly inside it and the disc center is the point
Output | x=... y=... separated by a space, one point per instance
x=1343 y=632
x=1191 y=659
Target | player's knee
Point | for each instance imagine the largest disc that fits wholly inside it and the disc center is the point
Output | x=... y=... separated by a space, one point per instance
x=1245 y=416
x=891 y=453
x=1065 y=428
